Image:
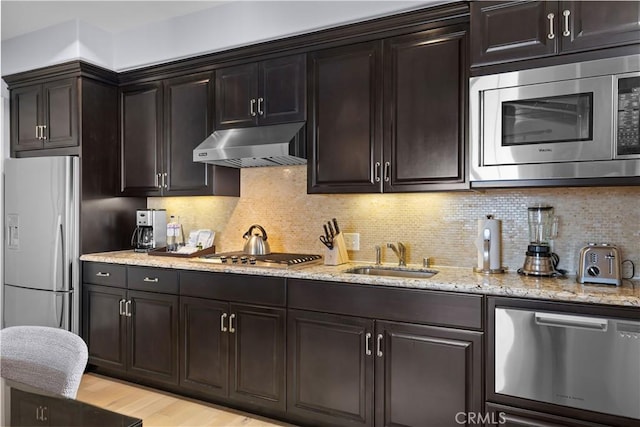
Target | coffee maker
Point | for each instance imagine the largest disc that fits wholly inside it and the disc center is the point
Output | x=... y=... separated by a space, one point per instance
x=543 y=228
x=151 y=230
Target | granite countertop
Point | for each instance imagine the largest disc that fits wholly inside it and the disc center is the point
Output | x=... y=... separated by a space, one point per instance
x=448 y=279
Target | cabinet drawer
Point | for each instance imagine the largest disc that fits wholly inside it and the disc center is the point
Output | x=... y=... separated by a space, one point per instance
x=234 y=287
x=386 y=303
x=100 y=273
x=153 y=279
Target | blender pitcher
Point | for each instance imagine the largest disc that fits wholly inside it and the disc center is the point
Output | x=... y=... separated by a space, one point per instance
x=543 y=225
x=543 y=228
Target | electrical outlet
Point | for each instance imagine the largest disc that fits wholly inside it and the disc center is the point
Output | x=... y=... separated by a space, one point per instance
x=352 y=241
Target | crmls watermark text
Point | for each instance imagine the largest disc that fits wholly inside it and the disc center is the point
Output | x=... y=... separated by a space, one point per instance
x=488 y=418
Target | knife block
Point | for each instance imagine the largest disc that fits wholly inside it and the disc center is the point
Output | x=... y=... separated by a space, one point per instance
x=338 y=255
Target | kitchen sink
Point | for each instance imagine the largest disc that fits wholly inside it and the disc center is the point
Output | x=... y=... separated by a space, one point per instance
x=394 y=272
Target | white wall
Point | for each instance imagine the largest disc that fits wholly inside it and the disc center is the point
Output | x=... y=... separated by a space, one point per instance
x=241 y=23
x=229 y=25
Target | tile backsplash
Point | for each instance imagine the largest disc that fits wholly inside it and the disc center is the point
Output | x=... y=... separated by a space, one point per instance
x=442 y=226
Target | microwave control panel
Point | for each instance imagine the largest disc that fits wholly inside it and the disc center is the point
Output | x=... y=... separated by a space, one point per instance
x=628 y=129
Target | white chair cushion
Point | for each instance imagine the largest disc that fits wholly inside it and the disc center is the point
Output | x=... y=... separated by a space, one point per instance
x=46 y=358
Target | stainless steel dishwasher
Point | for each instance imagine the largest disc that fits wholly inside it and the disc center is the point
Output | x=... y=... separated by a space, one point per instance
x=585 y=362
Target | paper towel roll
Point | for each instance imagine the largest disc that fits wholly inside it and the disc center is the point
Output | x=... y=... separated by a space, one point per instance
x=494 y=227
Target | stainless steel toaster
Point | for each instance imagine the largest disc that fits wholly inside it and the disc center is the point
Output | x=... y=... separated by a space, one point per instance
x=600 y=263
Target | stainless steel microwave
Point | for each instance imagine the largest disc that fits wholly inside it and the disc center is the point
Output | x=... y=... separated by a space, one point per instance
x=578 y=120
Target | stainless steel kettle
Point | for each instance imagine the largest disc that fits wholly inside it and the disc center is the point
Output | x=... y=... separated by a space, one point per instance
x=256 y=244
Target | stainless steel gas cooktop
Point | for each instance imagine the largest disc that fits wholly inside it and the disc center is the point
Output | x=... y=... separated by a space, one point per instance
x=276 y=260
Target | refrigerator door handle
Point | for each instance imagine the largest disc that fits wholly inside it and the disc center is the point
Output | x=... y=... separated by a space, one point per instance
x=58 y=257
x=60 y=312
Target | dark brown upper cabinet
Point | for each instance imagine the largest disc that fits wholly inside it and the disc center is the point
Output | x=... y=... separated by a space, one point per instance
x=504 y=31
x=345 y=119
x=415 y=140
x=45 y=116
x=161 y=124
x=425 y=98
x=261 y=93
x=141 y=139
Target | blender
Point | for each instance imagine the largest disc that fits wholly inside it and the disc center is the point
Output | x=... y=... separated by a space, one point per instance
x=543 y=227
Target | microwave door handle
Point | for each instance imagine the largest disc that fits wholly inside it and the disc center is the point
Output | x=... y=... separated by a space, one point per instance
x=569 y=321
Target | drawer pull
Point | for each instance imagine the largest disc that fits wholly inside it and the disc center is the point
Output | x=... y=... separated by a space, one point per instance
x=150 y=280
x=101 y=274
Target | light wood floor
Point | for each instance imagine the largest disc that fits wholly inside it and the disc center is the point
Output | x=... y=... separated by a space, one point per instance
x=157 y=408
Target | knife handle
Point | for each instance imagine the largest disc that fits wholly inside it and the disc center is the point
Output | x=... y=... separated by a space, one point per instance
x=331 y=230
x=335 y=225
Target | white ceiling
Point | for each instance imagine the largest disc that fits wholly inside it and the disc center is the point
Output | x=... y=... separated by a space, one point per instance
x=24 y=16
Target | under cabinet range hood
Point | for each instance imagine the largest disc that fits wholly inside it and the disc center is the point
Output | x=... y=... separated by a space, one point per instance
x=274 y=145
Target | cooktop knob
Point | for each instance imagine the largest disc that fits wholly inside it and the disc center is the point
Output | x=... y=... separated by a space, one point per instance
x=252 y=261
x=223 y=259
x=243 y=259
x=234 y=259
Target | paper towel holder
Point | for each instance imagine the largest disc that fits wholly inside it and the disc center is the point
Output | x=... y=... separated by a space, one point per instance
x=486 y=262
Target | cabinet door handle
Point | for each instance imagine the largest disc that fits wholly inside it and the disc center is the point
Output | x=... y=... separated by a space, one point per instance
x=127 y=308
x=260 y=105
x=44 y=130
x=252 y=107
x=121 y=307
x=165 y=179
x=41 y=414
x=37 y=137
x=551 y=35
x=566 y=31
x=387 y=171
x=376 y=173
x=231 y=328
x=101 y=274
x=151 y=280
x=367 y=344
x=222 y=327
x=379 y=345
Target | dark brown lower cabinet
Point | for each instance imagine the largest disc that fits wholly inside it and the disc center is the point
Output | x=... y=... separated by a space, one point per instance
x=153 y=336
x=423 y=375
x=426 y=376
x=132 y=331
x=234 y=350
x=204 y=347
x=104 y=326
x=330 y=368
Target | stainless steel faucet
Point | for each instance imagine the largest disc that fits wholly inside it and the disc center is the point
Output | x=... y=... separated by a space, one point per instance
x=401 y=253
x=378 y=256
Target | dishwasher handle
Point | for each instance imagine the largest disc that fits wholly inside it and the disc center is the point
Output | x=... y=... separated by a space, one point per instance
x=570 y=321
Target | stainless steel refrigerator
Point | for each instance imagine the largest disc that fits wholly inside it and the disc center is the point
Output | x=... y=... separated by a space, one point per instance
x=41 y=242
